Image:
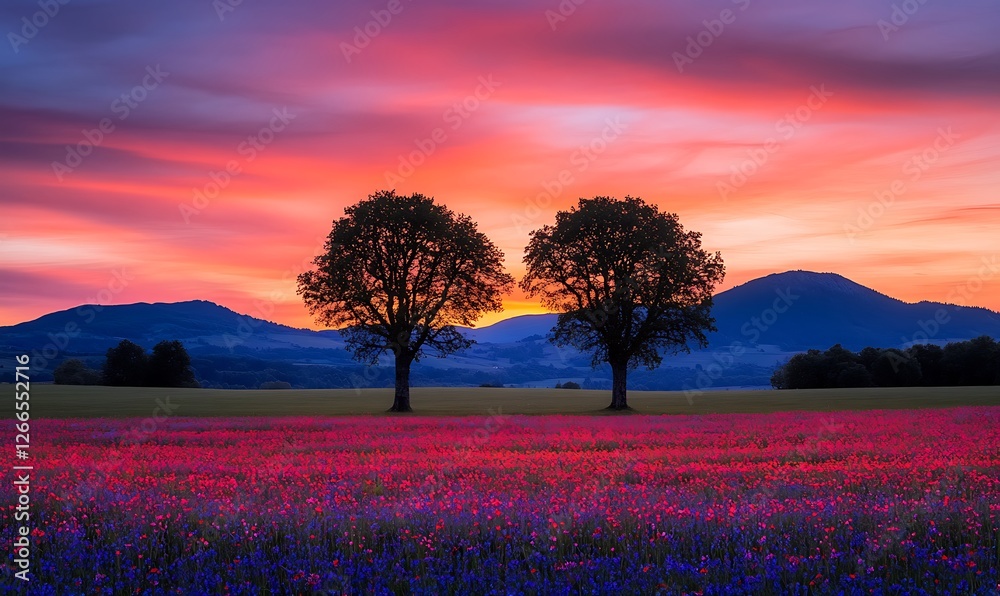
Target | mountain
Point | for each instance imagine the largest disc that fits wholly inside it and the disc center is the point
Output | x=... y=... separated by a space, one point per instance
x=143 y=321
x=197 y=323
x=512 y=329
x=800 y=310
x=771 y=318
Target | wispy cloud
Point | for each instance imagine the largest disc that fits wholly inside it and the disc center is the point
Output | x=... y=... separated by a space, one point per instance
x=606 y=60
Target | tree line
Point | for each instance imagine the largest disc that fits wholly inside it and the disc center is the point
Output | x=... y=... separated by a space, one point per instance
x=128 y=365
x=962 y=363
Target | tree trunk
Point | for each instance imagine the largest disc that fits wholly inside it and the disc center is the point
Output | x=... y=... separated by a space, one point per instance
x=619 y=373
x=401 y=402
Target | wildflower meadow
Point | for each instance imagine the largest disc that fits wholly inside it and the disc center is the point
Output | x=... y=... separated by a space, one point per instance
x=878 y=502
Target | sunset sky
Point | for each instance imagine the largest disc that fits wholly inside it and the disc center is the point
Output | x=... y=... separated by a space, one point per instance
x=772 y=127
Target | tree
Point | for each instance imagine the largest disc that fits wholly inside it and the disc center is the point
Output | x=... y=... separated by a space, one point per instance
x=778 y=380
x=868 y=356
x=803 y=371
x=929 y=357
x=397 y=275
x=895 y=368
x=74 y=372
x=170 y=366
x=628 y=281
x=972 y=362
x=854 y=375
x=837 y=361
x=125 y=365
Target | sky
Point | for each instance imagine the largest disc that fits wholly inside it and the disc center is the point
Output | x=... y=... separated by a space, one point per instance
x=159 y=152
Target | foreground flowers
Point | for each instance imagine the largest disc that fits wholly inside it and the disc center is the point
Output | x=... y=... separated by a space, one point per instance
x=894 y=502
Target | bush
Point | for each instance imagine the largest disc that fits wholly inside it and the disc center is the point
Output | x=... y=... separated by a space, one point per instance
x=568 y=385
x=75 y=372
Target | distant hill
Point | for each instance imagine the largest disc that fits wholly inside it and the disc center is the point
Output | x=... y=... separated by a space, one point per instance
x=772 y=317
x=513 y=329
x=160 y=320
x=826 y=309
x=197 y=323
x=819 y=310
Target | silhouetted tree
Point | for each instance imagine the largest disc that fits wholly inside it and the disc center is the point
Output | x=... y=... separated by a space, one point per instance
x=973 y=362
x=805 y=371
x=929 y=357
x=74 y=372
x=398 y=274
x=868 y=356
x=778 y=380
x=838 y=360
x=628 y=281
x=125 y=365
x=894 y=368
x=855 y=375
x=170 y=366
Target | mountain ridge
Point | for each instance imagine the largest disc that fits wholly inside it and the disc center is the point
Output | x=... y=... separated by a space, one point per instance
x=798 y=275
x=768 y=319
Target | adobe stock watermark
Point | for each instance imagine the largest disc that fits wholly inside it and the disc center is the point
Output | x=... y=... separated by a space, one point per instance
x=564 y=10
x=248 y=149
x=140 y=433
x=122 y=106
x=914 y=168
x=962 y=294
x=900 y=16
x=580 y=160
x=31 y=25
x=752 y=330
x=453 y=117
x=224 y=7
x=713 y=29
x=786 y=128
x=364 y=34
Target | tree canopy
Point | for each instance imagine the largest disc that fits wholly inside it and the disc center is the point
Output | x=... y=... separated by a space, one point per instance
x=972 y=362
x=125 y=365
x=630 y=283
x=170 y=366
x=398 y=273
x=128 y=365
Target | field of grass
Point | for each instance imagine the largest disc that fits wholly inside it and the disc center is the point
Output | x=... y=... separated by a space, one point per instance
x=55 y=401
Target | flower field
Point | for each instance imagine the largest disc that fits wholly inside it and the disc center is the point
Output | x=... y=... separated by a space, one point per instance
x=884 y=502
